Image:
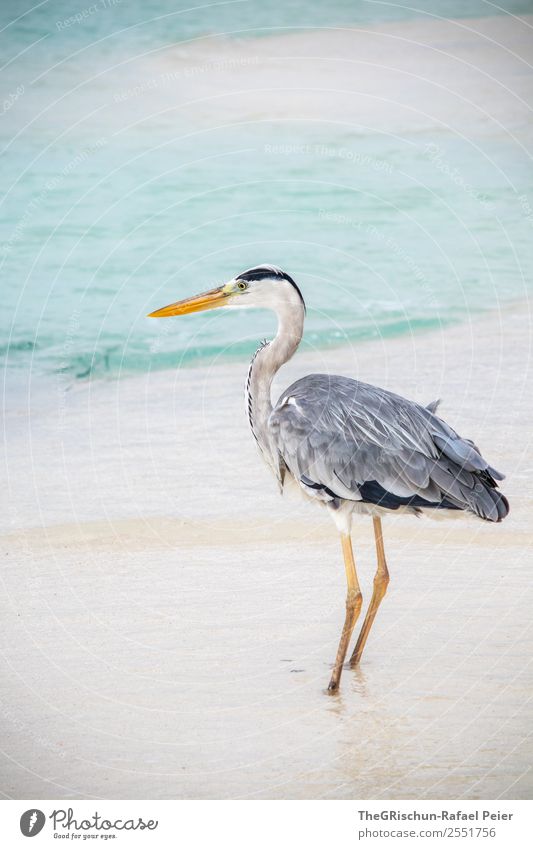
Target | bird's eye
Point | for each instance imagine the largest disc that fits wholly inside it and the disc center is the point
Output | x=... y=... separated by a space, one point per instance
x=242 y=285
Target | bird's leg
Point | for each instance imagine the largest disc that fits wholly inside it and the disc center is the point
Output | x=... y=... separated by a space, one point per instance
x=381 y=582
x=354 y=600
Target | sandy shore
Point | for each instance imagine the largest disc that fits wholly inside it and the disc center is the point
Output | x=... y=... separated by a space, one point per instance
x=169 y=621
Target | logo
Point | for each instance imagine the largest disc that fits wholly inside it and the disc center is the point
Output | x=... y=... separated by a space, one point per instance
x=66 y=825
x=31 y=822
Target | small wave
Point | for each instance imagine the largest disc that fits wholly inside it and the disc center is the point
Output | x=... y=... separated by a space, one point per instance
x=115 y=361
x=22 y=346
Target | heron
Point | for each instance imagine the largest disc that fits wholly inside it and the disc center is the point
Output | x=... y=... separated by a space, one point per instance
x=348 y=446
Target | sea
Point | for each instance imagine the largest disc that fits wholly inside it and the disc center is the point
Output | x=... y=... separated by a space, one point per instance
x=151 y=150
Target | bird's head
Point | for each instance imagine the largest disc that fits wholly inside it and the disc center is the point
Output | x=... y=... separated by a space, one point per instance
x=262 y=286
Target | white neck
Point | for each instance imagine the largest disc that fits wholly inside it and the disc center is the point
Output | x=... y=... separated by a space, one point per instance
x=266 y=362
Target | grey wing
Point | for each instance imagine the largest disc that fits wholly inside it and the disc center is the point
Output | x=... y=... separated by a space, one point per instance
x=343 y=439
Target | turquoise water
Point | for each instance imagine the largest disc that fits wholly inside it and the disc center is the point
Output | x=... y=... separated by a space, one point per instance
x=112 y=209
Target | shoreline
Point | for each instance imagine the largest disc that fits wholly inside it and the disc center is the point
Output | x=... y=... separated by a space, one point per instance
x=373 y=361
x=14 y=374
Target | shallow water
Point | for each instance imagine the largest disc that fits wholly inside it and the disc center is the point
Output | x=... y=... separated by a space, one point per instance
x=153 y=154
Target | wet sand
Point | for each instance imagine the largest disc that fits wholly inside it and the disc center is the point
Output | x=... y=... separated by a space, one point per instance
x=169 y=621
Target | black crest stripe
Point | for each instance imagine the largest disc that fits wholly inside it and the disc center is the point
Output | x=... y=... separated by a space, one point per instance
x=261 y=271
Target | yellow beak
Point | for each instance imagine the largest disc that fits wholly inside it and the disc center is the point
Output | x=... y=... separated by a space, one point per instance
x=206 y=301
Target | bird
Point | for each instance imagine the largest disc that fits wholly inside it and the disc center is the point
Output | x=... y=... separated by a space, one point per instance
x=348 y=446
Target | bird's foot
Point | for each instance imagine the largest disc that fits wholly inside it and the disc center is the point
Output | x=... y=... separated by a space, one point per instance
x=333 y=686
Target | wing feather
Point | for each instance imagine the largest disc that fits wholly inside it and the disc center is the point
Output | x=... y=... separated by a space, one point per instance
x=342 y=435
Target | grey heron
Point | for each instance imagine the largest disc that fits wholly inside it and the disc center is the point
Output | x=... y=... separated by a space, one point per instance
x=347 y=445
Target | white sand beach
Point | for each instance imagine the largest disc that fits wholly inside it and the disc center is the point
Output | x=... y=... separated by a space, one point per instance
x=169 y=621
x=468 y=76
